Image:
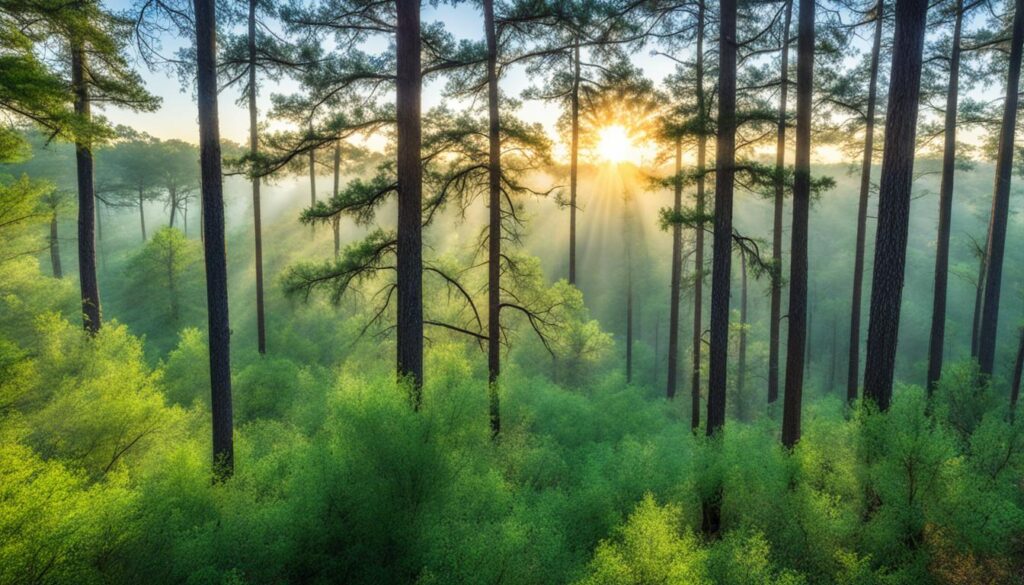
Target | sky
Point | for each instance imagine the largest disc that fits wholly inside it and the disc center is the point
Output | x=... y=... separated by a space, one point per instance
x=177 y=116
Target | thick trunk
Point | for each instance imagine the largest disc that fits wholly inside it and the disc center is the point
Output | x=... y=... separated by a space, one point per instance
x=677 y=259
x=172 y=194
x=797 y=337
x=894 y=201
x=775 y=320
x=725 y=156
x=741 y=366
x=936 y=340
x=55 y=247
x=213 y=239
x=90 y=288
x=257 y=221
x=410 y=200
x=698 y=253
x=142 y=214
x=853 y=371
x=1001 y=202
x=494 y=221
x=574 y=164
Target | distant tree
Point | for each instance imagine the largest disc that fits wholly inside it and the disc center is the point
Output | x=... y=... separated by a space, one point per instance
x=132 y=167
x=56 y=202
x=894 y=200
x=165 y=269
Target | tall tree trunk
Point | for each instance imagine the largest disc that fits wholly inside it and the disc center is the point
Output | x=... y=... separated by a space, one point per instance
x=257 y=221
x=797 y=338
x=172 y=288
x=574 y=163
x=90 y=288
x=674 y=283
x=142 y=214
x=741 y=366
x=832 y=366
x=1001 y=201
x=853 y=371
x=725 y=157
x=1018 y=369
x=55 y=247
x=172 y=194
x=979 y=295
x=312 y=177
x=936 y=340
x=894 y=201
x=213 y=240
x=494 y=221
x=775 y=320
x=629 y=304
x=698 y=253
x=336 y=220
x=410 y=200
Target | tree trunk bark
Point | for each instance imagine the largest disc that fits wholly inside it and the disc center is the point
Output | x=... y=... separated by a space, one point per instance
x=494 y=221
x=257 y=220
x=410 y=200
x=90 y=289
x=741 y=366
x=1001 y=201
x=142 y=215
x=936 y=341
x=853 y=366
x=55 y=247
x=725 y=156
x=1018 y=369
x=797 y=338
x=775 y=320
x=336 y=220
x=213 y=239
x=676 y=277
x=574 y=163
x=979 y=295
x=698 y=253
x=894 y=201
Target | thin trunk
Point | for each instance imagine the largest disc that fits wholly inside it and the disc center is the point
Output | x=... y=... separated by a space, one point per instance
x=936 y=340
x=90 y=288
x=312 y=177
x=257 y=221
x=698 y=253
x=775 y=321
x=573 y=164
x=677 y=259
x=55 y=247
x=214 y=244
x=979 y=295
x=410 y=200
x=629 y=309
x=494 y=221
x=1018 y=369
x=725 y=155
x=741 y=366
x=336 y=220
x=832 y=366
x=657 y=351
x=853 y=372
x=1001 y=202
x=894 y=201
x=142 y=214
x=173 y=195
x=172 y=288
x=797 y=337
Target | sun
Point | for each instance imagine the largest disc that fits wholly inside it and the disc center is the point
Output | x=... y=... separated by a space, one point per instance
x=614 y=144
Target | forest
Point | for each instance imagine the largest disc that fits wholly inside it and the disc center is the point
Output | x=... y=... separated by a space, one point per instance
x=583 y=292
